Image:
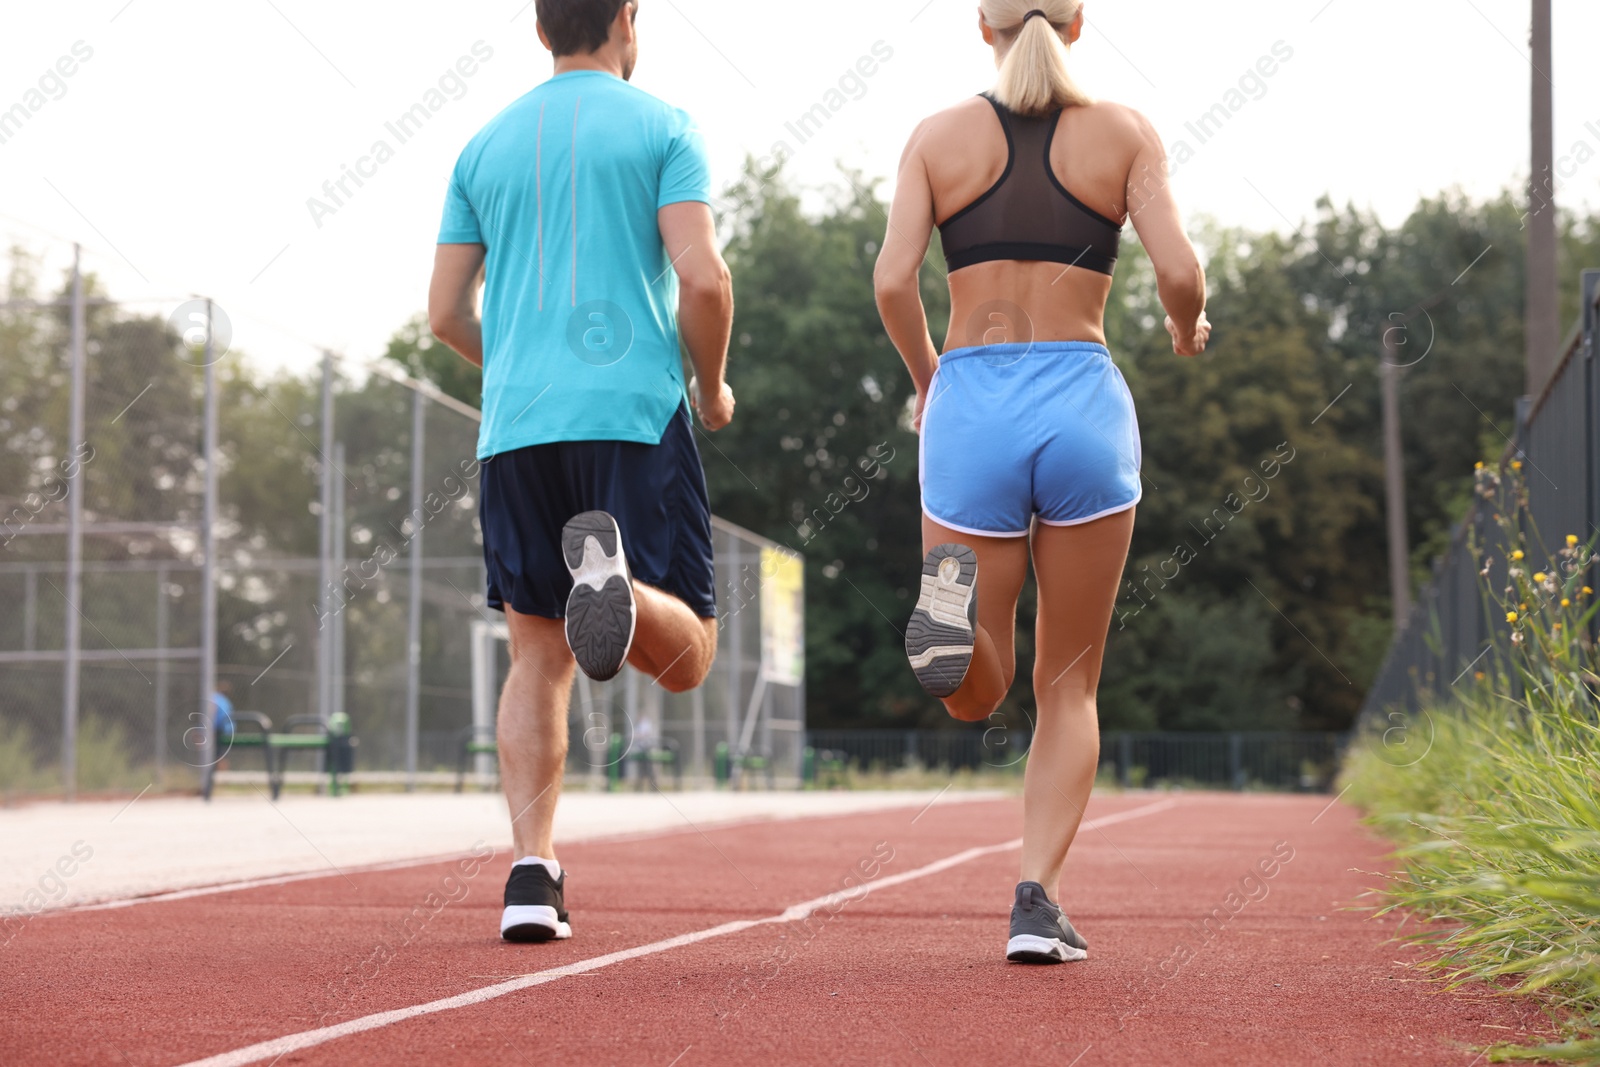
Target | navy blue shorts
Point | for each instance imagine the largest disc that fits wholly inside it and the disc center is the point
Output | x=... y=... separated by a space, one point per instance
x=657 y=494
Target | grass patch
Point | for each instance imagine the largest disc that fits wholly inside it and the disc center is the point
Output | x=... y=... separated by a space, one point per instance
x=1494 y=797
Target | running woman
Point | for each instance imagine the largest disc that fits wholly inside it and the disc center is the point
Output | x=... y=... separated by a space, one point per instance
x=586 y=205
x=1029 y=440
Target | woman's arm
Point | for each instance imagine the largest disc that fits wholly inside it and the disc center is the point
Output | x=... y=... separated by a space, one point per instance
x=1180 y=280
x=896 y=276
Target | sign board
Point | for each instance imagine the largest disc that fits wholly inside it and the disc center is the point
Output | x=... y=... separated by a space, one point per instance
x=783 y=639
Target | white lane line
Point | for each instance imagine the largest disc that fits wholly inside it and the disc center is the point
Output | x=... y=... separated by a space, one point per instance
x=255 y=883
x=608 y=838
x=281 y=1046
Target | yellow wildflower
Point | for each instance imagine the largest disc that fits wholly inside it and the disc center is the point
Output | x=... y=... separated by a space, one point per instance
x=1566 y=603
x=1539 y=576
x=1478 y=466
x=1516 y=464
x=1572 y=540
x=1511 y=616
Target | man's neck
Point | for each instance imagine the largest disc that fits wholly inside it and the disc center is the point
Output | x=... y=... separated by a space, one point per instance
x=596 y=61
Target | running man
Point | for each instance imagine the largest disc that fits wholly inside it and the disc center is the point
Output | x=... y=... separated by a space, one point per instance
x=586 y=206
x=1030 y=445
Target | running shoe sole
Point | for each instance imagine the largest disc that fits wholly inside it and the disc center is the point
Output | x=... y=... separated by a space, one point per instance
x=943 y=626
x=600 y=609
x=1031 y=948
x=532 y=922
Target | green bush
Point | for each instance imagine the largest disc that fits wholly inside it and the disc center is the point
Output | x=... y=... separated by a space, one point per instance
x=103 y=759
x=19 y=761
x=1494 y=795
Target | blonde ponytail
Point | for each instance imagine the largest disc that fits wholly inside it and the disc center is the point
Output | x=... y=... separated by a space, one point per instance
x=1033 y=74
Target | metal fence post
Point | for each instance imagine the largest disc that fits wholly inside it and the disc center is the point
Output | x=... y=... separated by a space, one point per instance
x=325 y=548
x=697 y=712
x=30 y=609
x=163 y=612
x=414 y=605
x=208 y=563
x=736 y=649
x=336 y=665
x=74 y=629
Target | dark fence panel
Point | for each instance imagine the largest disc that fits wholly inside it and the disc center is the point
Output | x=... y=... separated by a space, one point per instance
x=1238 y=760
x=1451 y=632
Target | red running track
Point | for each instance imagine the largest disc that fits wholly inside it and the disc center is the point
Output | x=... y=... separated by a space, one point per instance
x=910 y=973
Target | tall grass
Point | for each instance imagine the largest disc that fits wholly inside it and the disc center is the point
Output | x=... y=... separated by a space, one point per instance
x=1494 y=794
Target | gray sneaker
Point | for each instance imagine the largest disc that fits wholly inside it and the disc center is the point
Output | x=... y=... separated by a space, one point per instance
x=601 y=612
x=943 y=626
x=1040 y=933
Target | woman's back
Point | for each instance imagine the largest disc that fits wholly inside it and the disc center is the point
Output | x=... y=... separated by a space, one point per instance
x=966 y=151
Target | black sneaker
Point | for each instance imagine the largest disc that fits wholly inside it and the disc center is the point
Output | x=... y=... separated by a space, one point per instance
x=944 y=624
x=600 y=609
x=534 y=907
x=1039 y=932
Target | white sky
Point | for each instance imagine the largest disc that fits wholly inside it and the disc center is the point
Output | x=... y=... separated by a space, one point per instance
x=183 y=152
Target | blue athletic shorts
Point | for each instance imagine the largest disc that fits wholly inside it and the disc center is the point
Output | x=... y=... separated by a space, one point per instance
x=657 y=494
x=1017 y=430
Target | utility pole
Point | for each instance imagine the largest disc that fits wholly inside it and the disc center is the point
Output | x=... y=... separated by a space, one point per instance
x=1394 y=482
x=1541 y=328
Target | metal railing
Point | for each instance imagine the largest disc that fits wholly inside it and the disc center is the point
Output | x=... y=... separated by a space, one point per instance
x=1238 y=760
x=1450 y=631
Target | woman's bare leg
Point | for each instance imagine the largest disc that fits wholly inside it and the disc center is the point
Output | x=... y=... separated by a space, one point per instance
x=1002 y=566
x=1079 y=569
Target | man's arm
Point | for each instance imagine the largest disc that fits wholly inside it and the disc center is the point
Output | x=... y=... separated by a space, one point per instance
x=705 y=304
x=453 y=299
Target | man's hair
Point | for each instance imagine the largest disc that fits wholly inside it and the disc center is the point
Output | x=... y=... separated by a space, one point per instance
x=577 y=27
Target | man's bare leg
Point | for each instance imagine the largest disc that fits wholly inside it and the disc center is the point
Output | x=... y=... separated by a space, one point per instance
x=532 y=729
x=671 y=643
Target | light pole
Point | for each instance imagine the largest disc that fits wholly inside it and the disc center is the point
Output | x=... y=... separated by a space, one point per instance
x=1541 y=327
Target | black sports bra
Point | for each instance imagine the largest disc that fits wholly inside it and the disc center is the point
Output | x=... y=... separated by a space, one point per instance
x=1028 y=214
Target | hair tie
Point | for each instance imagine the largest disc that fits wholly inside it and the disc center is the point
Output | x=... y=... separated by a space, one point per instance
x=1035 y=13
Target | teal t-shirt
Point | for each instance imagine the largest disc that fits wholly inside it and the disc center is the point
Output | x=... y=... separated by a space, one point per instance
x=580 y=330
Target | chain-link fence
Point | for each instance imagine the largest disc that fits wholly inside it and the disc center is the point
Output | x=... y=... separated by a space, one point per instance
x=327 y=565
x=1451 y=629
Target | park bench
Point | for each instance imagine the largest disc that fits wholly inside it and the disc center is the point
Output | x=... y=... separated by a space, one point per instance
x=480 y=741
x=645 y=761
x=260 y=729
x=308 y=733
x=300 y=733
x=473 y=741
x=822 y=768
x=730 y=768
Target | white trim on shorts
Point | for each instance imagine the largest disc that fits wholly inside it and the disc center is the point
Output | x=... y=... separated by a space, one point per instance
x=970 y=530
x=1096 y=515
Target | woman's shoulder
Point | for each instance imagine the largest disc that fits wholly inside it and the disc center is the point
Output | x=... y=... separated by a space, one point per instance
x=957 y=117
x=1114 y=117
x=1118 y=125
